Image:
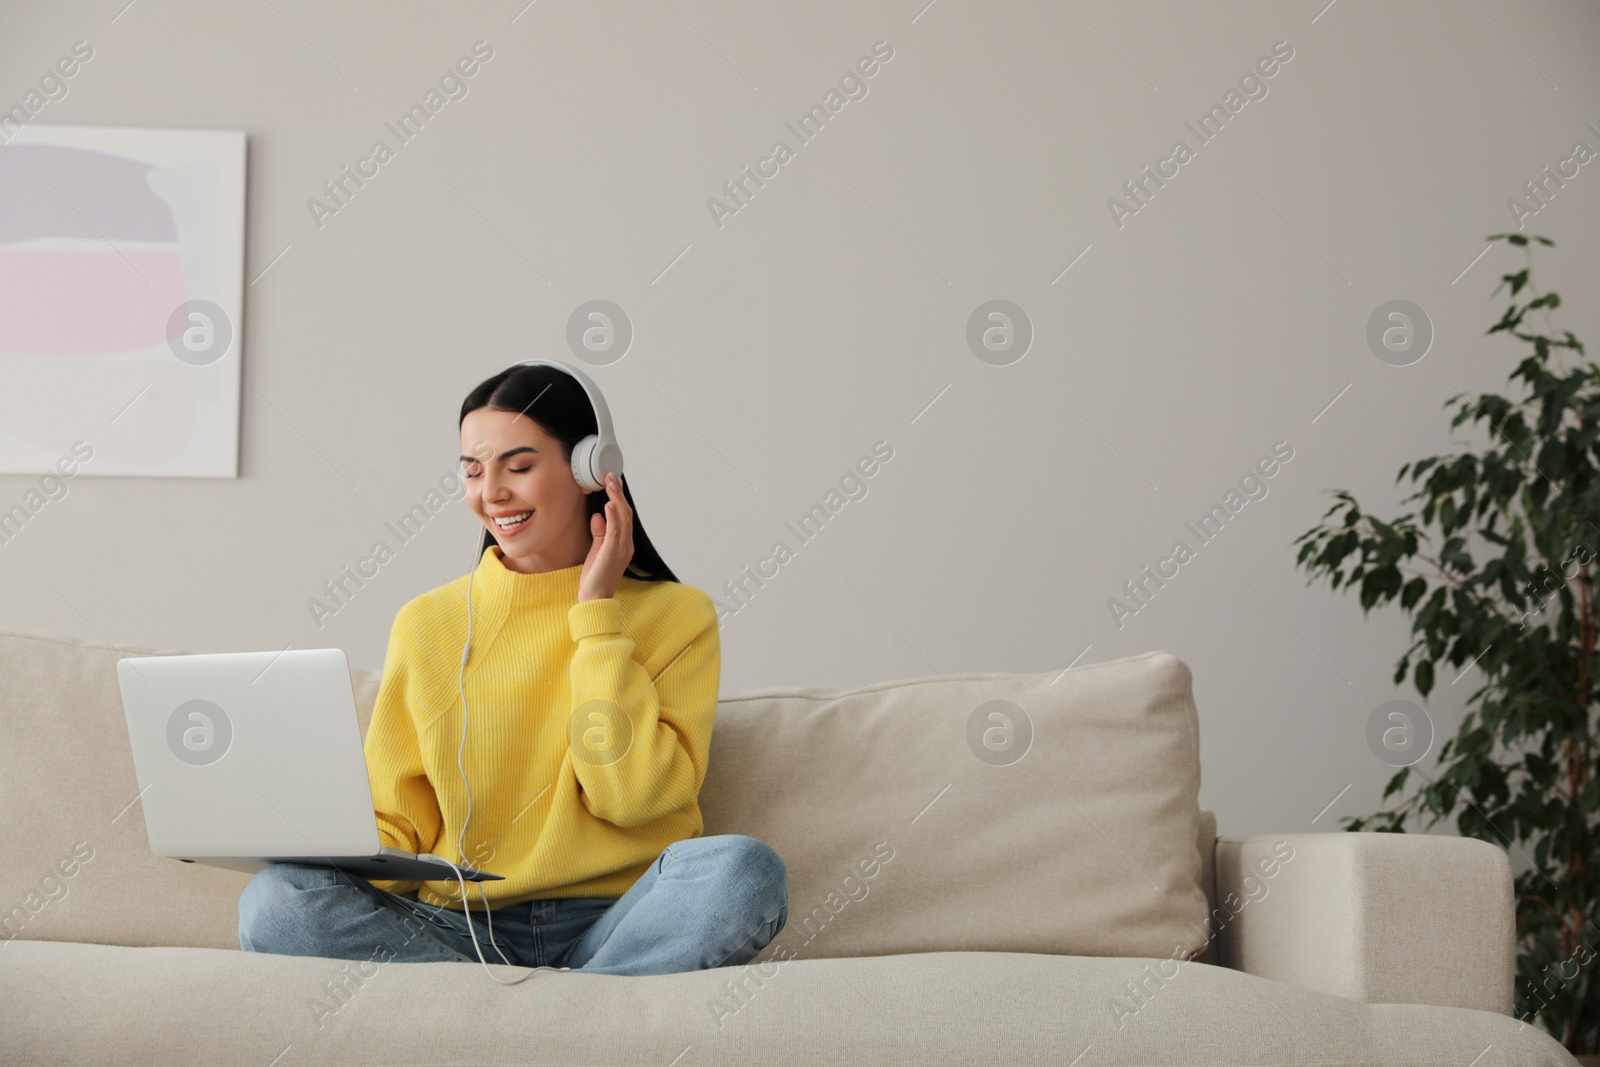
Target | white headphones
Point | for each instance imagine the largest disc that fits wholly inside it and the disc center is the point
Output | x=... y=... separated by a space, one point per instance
x=592 y=459
x=598 y=454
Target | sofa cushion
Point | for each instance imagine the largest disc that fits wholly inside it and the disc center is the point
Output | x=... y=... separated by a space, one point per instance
x=904 y=832
x=62 y=1003
x=898 y=836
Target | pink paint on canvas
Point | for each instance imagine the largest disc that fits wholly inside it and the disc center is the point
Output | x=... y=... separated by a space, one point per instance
x=87 y=303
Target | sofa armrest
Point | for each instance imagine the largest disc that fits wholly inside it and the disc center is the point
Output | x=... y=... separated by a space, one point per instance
x=1381 y=918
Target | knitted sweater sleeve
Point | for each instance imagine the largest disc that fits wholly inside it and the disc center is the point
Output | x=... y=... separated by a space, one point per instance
x=640 y=745
x=403 y=799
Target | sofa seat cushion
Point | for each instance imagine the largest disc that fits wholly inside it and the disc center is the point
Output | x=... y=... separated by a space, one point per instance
x=62 y=1002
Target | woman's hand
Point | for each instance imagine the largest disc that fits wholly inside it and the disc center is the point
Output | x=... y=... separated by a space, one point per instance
x=612 y=548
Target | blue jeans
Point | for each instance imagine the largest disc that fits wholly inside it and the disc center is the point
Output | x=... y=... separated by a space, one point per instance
x=705 y=902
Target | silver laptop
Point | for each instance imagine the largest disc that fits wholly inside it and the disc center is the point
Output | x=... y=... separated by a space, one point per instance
x=251 y=758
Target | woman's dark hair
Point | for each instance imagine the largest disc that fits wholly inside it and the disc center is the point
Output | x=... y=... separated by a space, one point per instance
x=553 y=398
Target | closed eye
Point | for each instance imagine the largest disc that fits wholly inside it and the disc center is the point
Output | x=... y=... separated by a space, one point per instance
x=513 y=470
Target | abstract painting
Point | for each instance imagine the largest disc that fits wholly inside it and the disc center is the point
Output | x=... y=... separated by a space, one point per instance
x=121 y=300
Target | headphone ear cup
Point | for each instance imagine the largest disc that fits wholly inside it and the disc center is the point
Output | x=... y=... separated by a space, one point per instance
x=606 y=459
x=582 y=453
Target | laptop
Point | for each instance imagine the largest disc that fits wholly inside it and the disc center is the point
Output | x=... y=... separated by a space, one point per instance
x=251 y=758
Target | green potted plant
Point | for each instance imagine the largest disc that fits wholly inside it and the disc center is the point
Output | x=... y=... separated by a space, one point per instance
x=1497 y=577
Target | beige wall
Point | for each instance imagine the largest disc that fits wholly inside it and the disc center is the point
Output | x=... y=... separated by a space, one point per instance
x=830 y=313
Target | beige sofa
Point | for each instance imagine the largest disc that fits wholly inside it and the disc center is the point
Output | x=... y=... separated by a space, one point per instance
x=983 y=868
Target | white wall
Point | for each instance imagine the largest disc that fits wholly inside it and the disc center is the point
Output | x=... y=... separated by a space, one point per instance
x=830 y=312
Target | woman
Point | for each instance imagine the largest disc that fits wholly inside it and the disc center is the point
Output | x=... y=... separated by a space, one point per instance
x=590 y=687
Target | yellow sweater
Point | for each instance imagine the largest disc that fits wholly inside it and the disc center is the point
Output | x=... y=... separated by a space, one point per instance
x=588 y=731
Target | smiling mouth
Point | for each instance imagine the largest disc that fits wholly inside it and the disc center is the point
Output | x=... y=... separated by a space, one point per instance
x=513 y=523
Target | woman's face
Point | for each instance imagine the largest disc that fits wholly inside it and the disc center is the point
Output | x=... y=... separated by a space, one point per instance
x=519 y=483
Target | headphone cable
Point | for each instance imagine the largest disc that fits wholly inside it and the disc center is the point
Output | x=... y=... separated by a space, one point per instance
x=461 y=686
